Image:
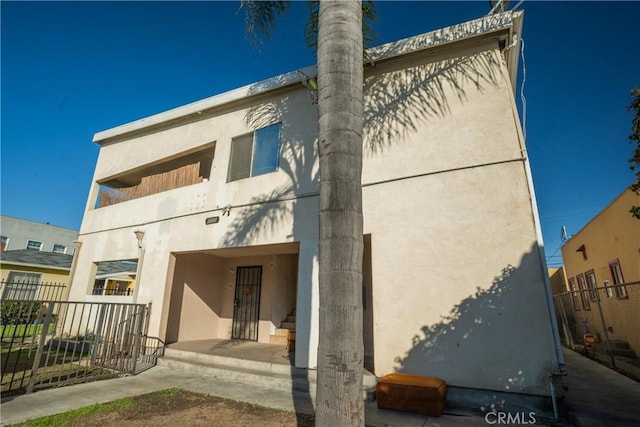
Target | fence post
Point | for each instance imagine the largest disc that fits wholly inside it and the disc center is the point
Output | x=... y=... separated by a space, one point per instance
x=147 y=315
x=145 y=329
x=570 y=342
x=604 y=328
x=43 y=338
x=137 y=326
x=97 y=335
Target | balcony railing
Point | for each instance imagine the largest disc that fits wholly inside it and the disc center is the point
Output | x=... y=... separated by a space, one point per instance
x=110 y=292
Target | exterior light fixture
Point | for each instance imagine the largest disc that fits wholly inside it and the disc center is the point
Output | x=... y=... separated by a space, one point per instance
x=139 y=235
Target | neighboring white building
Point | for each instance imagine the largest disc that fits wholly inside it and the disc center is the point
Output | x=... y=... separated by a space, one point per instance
x=226 y=193
x=17 y=233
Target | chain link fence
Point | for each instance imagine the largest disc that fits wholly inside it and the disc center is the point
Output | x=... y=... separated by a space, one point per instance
x=602 y=323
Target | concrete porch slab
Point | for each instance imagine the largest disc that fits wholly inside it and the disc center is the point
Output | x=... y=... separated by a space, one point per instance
x=238 y=349
x=248 y=362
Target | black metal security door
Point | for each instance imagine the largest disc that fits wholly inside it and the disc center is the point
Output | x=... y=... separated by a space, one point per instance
x=246 y=304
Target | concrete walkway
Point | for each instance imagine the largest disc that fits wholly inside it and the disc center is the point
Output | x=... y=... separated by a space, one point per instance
x=54 y=401
x=598 y=396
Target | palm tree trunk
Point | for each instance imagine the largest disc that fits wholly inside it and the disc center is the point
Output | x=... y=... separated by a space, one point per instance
x=340 y=100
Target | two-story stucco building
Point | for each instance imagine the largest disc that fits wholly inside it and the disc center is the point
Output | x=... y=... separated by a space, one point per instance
x=18 y=233
x=602 y=265
x=225 y=193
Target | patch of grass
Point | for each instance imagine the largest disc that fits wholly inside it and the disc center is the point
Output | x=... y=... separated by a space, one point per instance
x=175 y=406
x=65 y=418
x=168 y=392
x=19 y=331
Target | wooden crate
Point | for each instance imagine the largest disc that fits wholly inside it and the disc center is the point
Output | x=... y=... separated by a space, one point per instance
x=411 y=393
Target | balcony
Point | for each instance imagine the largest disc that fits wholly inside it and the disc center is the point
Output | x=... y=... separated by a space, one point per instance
x=168 y=174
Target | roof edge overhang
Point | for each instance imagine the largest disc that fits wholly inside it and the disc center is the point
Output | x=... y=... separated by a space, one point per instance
x=509 y=23
x=602 y=211
x=7 y=264
x=117 y=276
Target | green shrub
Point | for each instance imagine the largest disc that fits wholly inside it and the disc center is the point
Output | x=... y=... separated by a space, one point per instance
x=19 y=313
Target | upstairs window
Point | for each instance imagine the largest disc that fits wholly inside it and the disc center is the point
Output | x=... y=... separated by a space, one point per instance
x=607 y=288
x=59 y=249
x=583 y=288
x=4 y=242
x=618 y=280
x=35 y=245
x=574 y=294
x=255 y=153
x=593 y=285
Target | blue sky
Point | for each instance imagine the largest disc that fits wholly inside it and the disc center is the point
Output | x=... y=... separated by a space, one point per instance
x=71 y=69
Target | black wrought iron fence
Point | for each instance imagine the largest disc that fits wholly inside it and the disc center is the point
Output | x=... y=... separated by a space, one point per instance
x=115 y=291
x=46 y=343
x=151 y=348
x=25 y=290
x=603 y=323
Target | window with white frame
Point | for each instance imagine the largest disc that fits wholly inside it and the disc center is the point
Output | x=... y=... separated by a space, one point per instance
x=98 y=287
x=34 y=244
x=4 y=242
x=607 y=288
x=22 y=285
x=618 y=279
x=582 y=284
x=255 y=153
x=59 y=249
x=574 y=294
x=593 y=285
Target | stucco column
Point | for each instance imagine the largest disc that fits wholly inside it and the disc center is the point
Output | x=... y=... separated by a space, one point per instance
x=72 y=272
x=307 y=306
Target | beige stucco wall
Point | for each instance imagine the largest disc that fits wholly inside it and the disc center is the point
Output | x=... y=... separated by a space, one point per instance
x=612 y=234
x=196 y=298
x=557 y=280
x=200 y=304
x=456 y=243
x=462 y=289
x=457 y=283
x=283 y=293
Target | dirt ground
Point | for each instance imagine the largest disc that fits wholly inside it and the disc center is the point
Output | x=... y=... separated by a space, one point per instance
x=184 y=409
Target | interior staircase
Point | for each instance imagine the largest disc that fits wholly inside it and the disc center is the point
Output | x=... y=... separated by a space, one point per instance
x=286 y=334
